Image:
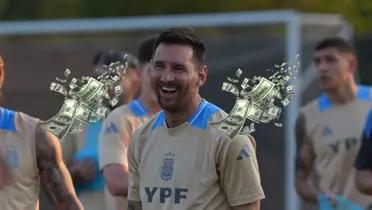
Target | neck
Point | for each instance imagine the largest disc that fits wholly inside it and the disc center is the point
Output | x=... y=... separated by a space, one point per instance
x=151 y=105
x=174 y=119
x=343 y=94
x=127 y=99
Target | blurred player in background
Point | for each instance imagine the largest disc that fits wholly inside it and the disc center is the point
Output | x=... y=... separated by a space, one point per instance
x=329 y=128
x=120 y=126
x=130 y=81
x=31 y=155
x=81 y=151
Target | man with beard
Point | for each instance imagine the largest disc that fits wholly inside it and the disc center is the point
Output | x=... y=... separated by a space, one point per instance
x=30 y=154
x=119 y=128
x=177 y=160
x=329 y=128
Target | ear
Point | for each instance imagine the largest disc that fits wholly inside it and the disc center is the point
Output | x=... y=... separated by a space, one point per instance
x=353 y=63
x=202 y=75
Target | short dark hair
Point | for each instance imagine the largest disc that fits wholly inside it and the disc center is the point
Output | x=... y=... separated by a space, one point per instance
x=184 y=36
x=112 y=56
x=145 y=49
x=340 y=44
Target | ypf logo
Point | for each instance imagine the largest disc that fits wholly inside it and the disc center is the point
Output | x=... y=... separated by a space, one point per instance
x=167 y=169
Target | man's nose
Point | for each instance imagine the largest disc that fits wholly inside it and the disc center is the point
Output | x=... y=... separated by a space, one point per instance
x=322 y=66
x=167 y=75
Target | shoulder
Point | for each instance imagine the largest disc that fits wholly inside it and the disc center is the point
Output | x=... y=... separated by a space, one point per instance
x=313 y=105
x=25 y=122
x=150 y=125
x=142 y=133
x=364 y=92
x=241 y=146
x=118 y=112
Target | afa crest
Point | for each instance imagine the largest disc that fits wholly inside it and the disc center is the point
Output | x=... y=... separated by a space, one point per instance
x=167 y=169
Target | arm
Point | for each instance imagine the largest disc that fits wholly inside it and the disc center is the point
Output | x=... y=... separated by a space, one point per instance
x=364 y=181
x=116 y=178
x=304 y=163
x=134 y=205
x=113 y=141
x=250 y=206
x=53 y=171
x=239 y=174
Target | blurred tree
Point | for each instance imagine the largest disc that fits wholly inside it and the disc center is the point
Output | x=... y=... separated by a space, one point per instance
x=359 y=12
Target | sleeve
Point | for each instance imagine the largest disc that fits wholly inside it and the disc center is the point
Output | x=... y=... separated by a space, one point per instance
x=239 y=174
x=113 y=141
x=133 y=162
x=364 y=157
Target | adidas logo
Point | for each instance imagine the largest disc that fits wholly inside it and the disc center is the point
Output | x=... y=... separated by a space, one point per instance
x=243 y=154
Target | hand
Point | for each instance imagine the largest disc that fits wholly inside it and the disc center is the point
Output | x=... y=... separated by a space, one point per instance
x=83 y=171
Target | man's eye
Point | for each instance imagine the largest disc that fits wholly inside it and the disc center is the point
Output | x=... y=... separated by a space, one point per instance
x=158 y=66
x=179 y=68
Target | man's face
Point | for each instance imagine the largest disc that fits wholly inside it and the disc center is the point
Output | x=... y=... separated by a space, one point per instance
x=175 y=76
x=334 y=69
x=131 y=84
x=1 y=71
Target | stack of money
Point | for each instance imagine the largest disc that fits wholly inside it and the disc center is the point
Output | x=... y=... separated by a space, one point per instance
x=87 y=99
x=257 y=99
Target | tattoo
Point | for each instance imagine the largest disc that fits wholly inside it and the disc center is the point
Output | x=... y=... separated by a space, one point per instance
x=134 y=205
x=53 y=171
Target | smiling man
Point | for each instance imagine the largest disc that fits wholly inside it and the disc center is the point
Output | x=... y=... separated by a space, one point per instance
x=178 y=160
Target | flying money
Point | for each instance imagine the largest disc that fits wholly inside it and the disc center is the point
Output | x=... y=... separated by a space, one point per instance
x=228 y=87
x=234 y=122
x=259 y=100
x=87 y=99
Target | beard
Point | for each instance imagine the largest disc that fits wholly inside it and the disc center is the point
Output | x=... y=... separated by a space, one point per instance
x=175 y=102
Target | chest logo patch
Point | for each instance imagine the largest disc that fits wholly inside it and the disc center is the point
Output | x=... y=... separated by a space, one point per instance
x=167 y=169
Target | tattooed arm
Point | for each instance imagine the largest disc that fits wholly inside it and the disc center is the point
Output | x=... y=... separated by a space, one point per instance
x=134 y=205
x=53 y=171
x=304 y=163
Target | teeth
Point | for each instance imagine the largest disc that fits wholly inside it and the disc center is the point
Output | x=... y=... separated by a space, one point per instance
x=170 y=89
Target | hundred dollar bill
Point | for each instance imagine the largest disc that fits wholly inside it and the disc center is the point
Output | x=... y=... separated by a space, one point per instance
x=234 y=122
x=262 y=89
x=88 y=90
x=228 y=87
x=254 y=113
x=245 y=84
